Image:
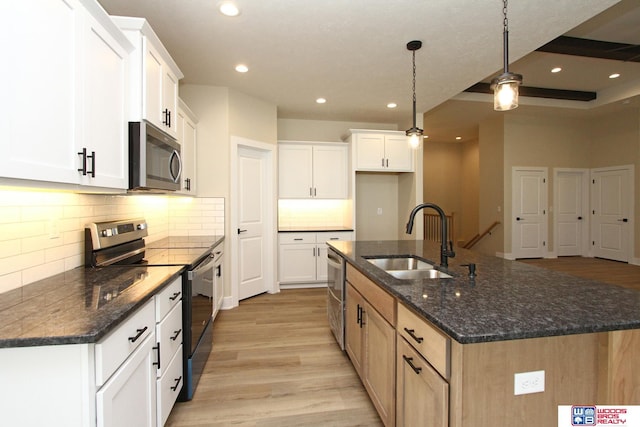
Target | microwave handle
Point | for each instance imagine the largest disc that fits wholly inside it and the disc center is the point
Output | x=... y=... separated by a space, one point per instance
x=175 y=177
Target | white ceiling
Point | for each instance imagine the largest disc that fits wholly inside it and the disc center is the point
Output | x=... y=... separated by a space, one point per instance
x=353 y=52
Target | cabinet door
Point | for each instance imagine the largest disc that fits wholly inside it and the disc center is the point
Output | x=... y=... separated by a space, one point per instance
x=187 y=138
x=41 y=46
x=297 y=263
x=398 y=153
x=105 y=108
x=422 y=394
x=379 y=365
x=295 y=166
x=169 y=101
x=370 y=152
x=134 y=381
x=321 y=263
x=152 y=84
x=354 y=304
x=330 y=172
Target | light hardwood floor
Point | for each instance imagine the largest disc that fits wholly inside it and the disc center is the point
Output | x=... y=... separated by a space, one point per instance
x=275 y=363
x=602 y=270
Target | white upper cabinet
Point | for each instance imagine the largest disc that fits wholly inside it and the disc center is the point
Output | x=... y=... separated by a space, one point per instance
x=154 y=76
x=60 y=122
x=383 y=151
x=313 y=170
x=186 y=123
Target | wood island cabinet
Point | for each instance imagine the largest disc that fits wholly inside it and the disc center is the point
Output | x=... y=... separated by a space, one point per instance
x=417 y=375
x=371 y=340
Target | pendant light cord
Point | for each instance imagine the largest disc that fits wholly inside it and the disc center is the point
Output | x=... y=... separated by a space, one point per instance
x=505 y=37
x=414 y=88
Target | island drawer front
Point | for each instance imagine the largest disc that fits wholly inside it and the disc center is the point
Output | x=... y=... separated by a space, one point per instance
x=426 y=338
x=383 y=302
x=291 y=238
x=114 y=349
x=168 y=298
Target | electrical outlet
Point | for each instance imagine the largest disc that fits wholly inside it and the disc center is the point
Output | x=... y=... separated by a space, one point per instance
x=379 y=211
x=528 y=382
x=54 y=229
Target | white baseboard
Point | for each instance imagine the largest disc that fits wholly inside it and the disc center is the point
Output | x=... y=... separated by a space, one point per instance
x=635 y=261
x=227 y=303
x=303 y=285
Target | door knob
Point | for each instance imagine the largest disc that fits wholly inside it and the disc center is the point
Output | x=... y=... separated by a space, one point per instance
x=580 y=218
x=241 y=231
x=624 y=220
x=518 y=218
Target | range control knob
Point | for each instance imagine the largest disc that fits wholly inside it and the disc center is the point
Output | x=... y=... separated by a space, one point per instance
x=141 y=226
x=106 y=232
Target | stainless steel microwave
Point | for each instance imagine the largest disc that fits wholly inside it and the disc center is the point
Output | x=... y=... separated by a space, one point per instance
x=154 y=159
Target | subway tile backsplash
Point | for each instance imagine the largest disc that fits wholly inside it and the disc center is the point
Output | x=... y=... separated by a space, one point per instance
x=42 y=233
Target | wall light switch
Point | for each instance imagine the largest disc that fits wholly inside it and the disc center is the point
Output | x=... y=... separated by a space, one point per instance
x=379 y=211
x=528 y=382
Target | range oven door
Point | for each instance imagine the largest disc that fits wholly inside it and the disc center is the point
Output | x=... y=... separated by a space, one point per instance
x=197 y=310
x=335 y=295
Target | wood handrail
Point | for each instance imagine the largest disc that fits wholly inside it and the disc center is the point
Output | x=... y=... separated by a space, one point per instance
x=471 y=243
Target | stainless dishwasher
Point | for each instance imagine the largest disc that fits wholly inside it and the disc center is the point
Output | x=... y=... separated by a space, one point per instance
x=335 y=294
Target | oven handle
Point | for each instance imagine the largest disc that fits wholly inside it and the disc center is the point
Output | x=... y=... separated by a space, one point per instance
x=334 y=261
x=119 y=258
x=204 y=265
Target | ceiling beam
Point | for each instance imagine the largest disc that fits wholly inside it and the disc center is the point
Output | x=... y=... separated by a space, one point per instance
x=539 y=92
x=592 y=48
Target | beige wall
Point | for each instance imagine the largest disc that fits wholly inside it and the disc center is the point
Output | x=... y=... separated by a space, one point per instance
x=323 y=130
x=211 y=105
x=377 y=190
x=252 y=118
x=468 y=220
x=541 y=141
x=491 y=185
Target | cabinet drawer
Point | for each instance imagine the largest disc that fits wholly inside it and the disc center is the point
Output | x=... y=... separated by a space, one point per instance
x=169 y=386
x=113 y=349
x=169 y=335
x=168 y=298
x=432 y=344
x=289 y=238
x=379 y=299
x=327 y=236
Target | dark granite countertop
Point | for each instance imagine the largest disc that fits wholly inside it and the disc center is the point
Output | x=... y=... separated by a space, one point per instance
x=506 y=300
x=79 y=306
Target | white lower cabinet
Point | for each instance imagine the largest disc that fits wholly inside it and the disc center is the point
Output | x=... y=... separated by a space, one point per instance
x=169 y=379
x=303 y=256
x=129 y=378
x=128 y=398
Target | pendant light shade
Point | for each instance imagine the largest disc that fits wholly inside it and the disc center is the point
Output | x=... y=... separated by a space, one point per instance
x=505 y=86
x=415 y=133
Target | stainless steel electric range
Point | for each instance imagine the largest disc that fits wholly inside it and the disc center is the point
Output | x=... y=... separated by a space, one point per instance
x=122 y=243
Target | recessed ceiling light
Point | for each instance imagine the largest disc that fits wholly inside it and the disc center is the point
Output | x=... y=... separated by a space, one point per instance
x=614 y=76
x=321 y=100
x=392 y=105
x=458 y=138
x=229 y=9
x=556 y=70
x=241 y=68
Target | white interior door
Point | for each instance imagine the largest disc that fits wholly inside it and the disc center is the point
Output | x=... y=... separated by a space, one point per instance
x=251 y=231
x=611 y=212
x=529 y=222
x=571 y=207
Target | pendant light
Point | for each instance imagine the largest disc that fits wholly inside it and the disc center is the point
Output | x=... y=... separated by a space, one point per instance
x=505 y=86
x=415 y=133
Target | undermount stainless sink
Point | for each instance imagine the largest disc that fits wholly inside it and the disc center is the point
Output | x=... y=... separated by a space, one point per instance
x=419 y=274
x=408 y=268
x=400 y=263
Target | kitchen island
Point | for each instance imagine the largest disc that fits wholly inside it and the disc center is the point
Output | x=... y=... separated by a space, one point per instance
x=580 y=339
